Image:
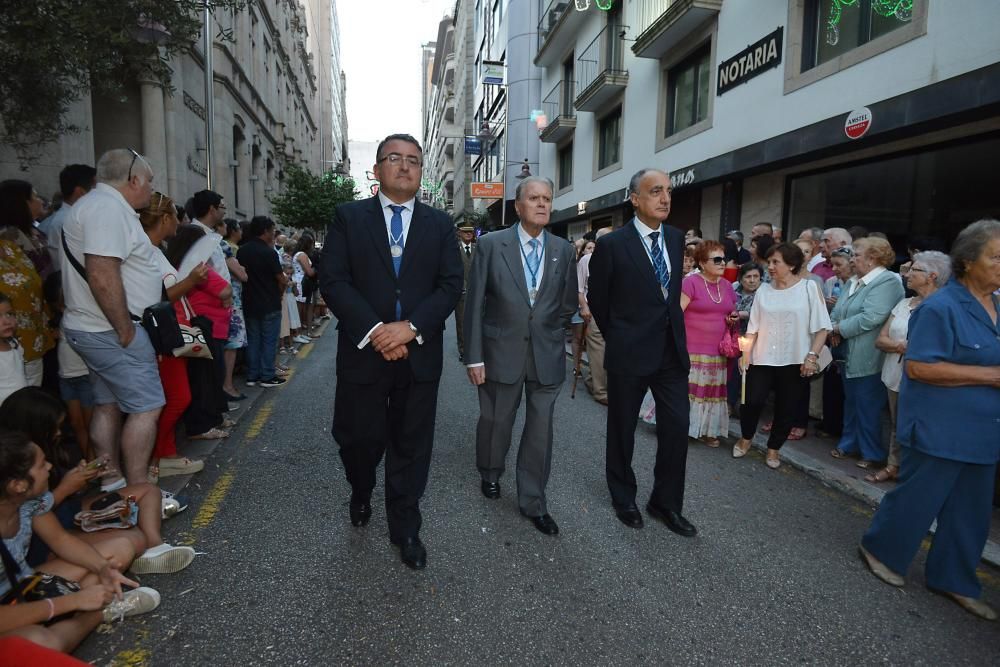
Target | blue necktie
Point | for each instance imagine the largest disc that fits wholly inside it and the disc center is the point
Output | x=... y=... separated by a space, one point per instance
x=659 y=264
x=396 y=238
x=533 y=259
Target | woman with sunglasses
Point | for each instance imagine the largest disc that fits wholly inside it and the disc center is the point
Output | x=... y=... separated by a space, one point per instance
x=708 y=302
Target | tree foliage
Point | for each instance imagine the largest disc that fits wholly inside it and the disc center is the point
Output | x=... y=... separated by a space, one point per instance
x=308 y=200
x=53 y=51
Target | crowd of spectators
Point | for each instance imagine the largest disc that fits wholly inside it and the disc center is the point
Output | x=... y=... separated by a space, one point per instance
x=91 y=404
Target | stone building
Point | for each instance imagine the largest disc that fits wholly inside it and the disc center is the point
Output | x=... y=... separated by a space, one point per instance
x=278 y=98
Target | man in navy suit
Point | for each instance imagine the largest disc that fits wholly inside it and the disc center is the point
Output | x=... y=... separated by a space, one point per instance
x=391 y=273
x=634 y=294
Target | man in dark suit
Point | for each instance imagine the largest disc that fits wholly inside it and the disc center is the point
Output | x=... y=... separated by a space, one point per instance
x=391 y=274
x=634 y=294
x=522 y=294
x=466 y=249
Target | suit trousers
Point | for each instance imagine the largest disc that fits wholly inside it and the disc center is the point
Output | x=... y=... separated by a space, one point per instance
x=669 y=386
x=597 y=381
x=958 y=495
x=460 y=327
x=392 y=417
x=498 y=404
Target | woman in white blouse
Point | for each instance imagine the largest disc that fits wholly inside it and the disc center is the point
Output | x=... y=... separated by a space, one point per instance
x=787 y=329
x=928 y=271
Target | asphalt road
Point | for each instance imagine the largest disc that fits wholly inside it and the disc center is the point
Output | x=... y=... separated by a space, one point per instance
x=772 y=578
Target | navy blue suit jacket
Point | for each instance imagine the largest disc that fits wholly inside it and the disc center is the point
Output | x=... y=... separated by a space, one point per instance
x=626 y=300
x=359 y=285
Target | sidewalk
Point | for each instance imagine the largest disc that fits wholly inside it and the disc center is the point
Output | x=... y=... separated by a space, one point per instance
x=205 y=449
x=811 y=455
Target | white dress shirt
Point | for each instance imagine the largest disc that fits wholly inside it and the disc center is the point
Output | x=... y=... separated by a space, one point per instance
x=866 y=279
x=407 y=215
x=525 y=239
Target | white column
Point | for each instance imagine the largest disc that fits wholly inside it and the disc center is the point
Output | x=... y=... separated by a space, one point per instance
x=154 y=142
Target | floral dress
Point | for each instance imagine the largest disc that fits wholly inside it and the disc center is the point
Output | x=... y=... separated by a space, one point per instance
x=237 y=327
x=21 y=283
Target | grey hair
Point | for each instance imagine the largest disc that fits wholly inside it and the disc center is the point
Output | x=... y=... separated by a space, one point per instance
x=971 y=243
x=839 y=234
x=633 y=183
x=602 y=231
x=937 y=263
x=114 y=165
x=735 y=235
x=534 y=179
x=815 y=233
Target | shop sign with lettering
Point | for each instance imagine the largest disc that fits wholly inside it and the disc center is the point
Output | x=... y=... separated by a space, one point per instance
x=756 y=59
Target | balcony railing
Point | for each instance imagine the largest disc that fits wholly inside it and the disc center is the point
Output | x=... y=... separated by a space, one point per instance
x=559 y=109
x=662 y=24
x=648 y=11
x=549 y=13
x=601 y=67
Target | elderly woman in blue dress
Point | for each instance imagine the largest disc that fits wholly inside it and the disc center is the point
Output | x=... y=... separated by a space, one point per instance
x=952 y=373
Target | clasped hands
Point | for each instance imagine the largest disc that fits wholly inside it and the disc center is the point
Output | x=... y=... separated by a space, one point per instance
x=390 y=340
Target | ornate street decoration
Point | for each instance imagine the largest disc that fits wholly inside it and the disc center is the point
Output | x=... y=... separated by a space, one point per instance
x=582 y=5
x=605 y=5
x=901 y=9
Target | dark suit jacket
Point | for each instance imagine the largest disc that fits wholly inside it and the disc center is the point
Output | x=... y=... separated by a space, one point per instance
x=500 y=322
x=360 y=286
x=627 y=302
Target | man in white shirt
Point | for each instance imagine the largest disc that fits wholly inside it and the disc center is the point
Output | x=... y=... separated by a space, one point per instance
x=815 y=236
x=114 y=276
x=75 y=180
x=209 y=210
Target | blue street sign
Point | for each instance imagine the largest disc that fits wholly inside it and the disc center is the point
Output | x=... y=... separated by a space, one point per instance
x=473 y=146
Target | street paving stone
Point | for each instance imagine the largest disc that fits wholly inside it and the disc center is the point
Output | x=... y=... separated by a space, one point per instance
x=772 y=578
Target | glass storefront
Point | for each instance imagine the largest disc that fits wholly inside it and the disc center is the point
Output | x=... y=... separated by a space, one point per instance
x=936 y=191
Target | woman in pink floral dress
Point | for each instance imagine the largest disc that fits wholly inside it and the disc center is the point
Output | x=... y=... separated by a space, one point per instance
x=708 y=302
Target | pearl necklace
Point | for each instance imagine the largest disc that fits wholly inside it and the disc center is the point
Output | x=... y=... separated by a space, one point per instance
x=718 y=297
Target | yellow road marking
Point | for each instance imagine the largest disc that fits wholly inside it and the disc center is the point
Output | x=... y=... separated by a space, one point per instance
x=213 y=501
x=133 y=657
x=259 y=420
x=305 y=350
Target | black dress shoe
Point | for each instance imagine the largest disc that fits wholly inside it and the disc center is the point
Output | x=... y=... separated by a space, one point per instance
x=673 y=520
x=490 y=489
x=413 y=553
x=630 y=516
x=545 y=524
x=361 y=512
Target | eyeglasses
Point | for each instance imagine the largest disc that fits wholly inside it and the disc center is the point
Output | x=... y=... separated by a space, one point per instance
x=396 y=159
x=135 y=156
x=718 y=261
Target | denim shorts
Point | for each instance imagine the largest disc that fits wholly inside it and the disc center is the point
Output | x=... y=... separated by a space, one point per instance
x=127 y=376
x=77 y=389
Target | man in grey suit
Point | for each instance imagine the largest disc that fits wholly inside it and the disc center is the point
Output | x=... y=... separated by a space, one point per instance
x=521 y=296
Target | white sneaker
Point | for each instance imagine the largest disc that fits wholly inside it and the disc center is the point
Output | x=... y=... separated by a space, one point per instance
x=172 y=504
x=302 y=339
x=163 y=559
x=134 y=602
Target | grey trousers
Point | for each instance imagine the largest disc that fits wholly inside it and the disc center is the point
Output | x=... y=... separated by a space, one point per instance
x=498 y=404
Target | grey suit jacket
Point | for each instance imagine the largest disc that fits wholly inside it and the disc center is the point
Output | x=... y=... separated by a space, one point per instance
x=500 y=322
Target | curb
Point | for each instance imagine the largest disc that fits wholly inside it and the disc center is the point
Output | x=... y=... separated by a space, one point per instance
x=859 y=490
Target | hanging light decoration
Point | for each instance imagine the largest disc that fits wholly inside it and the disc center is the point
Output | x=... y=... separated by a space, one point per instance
x=604 y=5
x=582 y=5
x=901 y=9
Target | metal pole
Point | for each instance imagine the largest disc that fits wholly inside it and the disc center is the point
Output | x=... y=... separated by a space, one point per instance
x=209 y=105
x=506 y=139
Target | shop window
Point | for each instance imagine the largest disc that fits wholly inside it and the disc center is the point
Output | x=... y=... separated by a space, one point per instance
x=688 y=91
x=564 y=166
x=609 y=139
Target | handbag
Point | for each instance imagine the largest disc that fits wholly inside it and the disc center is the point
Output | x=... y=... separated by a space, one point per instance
x=195 y=346
x=36 y=586
x=159 y=320
x=729 y=346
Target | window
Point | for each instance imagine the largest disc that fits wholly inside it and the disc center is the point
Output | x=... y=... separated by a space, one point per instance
x=687 y=91
x=564 y=167
x=569 y=87
x=832 y=27
x=609 y=139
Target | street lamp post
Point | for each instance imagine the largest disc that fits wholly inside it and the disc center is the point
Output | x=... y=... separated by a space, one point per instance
x=209 y=102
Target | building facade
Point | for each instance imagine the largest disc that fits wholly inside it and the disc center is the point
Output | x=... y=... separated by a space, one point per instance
x=801 y=113
x=439 y=121
x=278 y=99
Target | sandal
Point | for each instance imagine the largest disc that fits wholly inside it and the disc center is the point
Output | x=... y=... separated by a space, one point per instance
x=709 y=441
x=886 y=474
x=210 y=434
x=866 y=464
x=838 y=454
x=766 y=428
x=797 y=433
